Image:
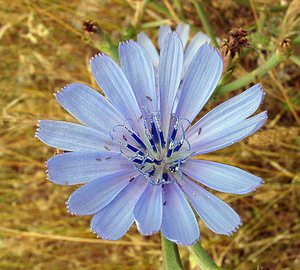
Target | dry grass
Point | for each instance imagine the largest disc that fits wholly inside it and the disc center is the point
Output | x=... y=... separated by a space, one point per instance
x=43 y=48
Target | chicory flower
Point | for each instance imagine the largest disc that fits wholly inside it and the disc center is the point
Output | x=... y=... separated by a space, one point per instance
x=135 y=148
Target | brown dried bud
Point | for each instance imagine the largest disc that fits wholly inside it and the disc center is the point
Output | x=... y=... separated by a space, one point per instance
x=286 y=45
x=232 y=45
x=89 y=26
x=236 y=40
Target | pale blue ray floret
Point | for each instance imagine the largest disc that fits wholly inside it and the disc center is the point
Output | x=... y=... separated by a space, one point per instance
x=135 y=148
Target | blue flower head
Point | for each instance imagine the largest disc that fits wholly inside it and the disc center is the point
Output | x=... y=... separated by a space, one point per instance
x=135 y=149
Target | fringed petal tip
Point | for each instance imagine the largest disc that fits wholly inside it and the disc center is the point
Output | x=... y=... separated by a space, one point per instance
x=184 y=244
x=98 y=235
x=92 y=230
x=49 y=175
x=69 y=210
x=129 y=41
x=258 y=185
x=47 y=171
x=140 y=229
x=61 y=90
x=37 y=130
x=264 y=116
x=231 y=232
x=253 y=187
x=234 y=230
x=261 y=92
x=100 y=54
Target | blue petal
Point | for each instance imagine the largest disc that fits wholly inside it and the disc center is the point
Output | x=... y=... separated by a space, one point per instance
x=199 y=82
x=148 y=45
x=230 y=112
x=78 y=167
x=113 y=221
x=183 y=31
x=170 y=70
x=217 y=215
x=198 y=40
x=163 y=32
x=219 y=137
x=148 y=210
x=89 y=106
x=93 y=196
x=74 y=137
x=221 y=177
x=137 y=66
x=179 y=223
x=115 y=85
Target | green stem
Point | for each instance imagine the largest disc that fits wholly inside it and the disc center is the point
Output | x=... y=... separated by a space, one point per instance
x=170 y=254
x=202 y=258
x=202 y=15
x=272 y=62
x=158 y=7
x=154 y=24
x=295 y=60
x=296 y=40
x=178 y=7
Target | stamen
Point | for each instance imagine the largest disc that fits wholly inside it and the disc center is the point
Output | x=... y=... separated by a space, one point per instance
x=182 y=140
x=138 y=155
x=170 y=150
x=132 y=148
x=149 y=136
x=178 y=146
x=149 y=160
x=153 y=145
x=138 y=161
x=165 y=176
x=138 y=140
x=158 y=125
x=157 y=162
x=132 y=134
x=175 y=128
x=154 y=132
x=162 y=139
x=151 y=173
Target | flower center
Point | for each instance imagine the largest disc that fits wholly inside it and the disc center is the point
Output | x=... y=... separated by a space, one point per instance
x=156 y=155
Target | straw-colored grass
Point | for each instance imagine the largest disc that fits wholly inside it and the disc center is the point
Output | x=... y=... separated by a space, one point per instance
x=43 y=47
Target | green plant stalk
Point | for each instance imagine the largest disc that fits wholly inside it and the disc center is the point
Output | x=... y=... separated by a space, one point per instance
x=296 y=40
x=170 y=254
x=154 y=24
x=202 y=15
x=158 y=8
x=272 y=62
x=295 y=60
x=178 y=7
x=202 y=258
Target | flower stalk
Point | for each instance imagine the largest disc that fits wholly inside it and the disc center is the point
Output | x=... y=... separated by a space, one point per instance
x=272 y=62
x=202 y=258
x=170 y=254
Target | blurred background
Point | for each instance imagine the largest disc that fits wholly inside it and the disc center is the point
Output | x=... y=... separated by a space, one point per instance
x=47 y=44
